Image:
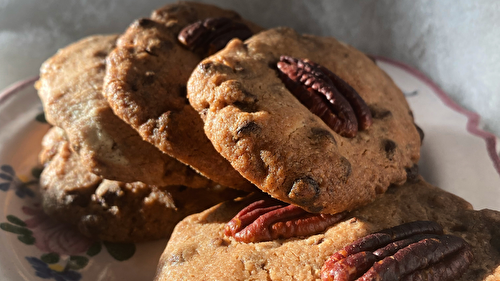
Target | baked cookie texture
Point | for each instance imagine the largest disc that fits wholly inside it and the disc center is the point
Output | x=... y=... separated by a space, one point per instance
x=280 y=146
x=198 y=249
x=70 y=87
x=111 y=210
x=145 y=84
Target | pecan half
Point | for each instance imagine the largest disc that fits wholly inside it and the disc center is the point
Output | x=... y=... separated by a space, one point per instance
x=270 y=219
x=412 y=251
x=326 y=95
x=212 y=34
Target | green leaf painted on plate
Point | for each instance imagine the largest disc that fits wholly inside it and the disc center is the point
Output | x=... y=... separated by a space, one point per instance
x=26 y=239
x=4 y=186
x=15 y=220
x=50 y=258
x=15 y=229
x=77 y=262
x=6 y=177
x=94 y=249
x=120 y=251
x=8 y=169
x=41 y=118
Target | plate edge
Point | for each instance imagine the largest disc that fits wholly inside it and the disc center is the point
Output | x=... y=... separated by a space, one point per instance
x=473 y=118
x=16 y=87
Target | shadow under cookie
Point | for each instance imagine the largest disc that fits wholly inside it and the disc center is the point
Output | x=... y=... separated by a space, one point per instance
x=111 y=210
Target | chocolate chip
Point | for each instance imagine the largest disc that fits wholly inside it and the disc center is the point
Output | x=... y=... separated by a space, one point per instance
x=150 y=52
x=100 y=54
x=134 y=87
x=319 y=135
x=412 y=174
x=495 y=242
x=321 y=240
x=304 y=190
x=459 y=228
x=379 y=113
x=389 y=147
x=346 y=168
x=420 y=133
x=205 y=66
x=101 y=67
x=249 y=107
x=144 y=22
x=248 y=128
x=149 y=78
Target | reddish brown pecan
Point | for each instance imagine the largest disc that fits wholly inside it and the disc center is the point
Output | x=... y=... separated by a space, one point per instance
x=412 y=251
x=326 y=95
x=212 y=34
x=270 y=219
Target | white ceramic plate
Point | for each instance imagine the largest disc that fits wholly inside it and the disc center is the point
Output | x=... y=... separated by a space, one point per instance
x=456 y=155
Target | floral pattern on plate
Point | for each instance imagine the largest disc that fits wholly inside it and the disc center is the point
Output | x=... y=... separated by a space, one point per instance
x=32 y=245
x=64 y=251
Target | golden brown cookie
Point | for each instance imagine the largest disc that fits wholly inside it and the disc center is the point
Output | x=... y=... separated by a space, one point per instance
x=70 y=87
x=145 y=85
x=198 y=249
x=111 y=210
x=277 y=143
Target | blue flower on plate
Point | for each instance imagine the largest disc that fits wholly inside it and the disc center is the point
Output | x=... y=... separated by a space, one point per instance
x=8 y=174
x=54 y=271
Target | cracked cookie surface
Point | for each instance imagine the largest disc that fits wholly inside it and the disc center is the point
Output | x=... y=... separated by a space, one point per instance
x=111 y=210
x=284 y=149
x=198 y=249
x=145 y=84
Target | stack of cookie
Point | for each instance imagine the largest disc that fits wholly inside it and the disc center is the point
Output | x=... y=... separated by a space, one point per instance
x=194 y=106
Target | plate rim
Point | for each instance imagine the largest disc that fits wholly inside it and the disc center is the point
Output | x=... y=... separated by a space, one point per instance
x=473 y=118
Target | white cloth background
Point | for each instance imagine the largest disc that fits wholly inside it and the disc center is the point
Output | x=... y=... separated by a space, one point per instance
x=454 y=42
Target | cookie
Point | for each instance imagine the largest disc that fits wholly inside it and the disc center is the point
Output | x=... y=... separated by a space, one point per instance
x=111 y=210
x=145 y=84
x=70 y=87
x=198 y=249
x=256 y=121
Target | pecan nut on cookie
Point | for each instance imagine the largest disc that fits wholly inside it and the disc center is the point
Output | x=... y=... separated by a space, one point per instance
x=70 y=87
x=307 y=119
x=412 y=232
x=146 y=78
x=111 y=210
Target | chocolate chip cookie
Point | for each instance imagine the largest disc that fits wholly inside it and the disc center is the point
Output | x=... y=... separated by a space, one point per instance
x=307 y=119
x=145 y=84
x=70 y=87
x=111 y=210
x=199 y=250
